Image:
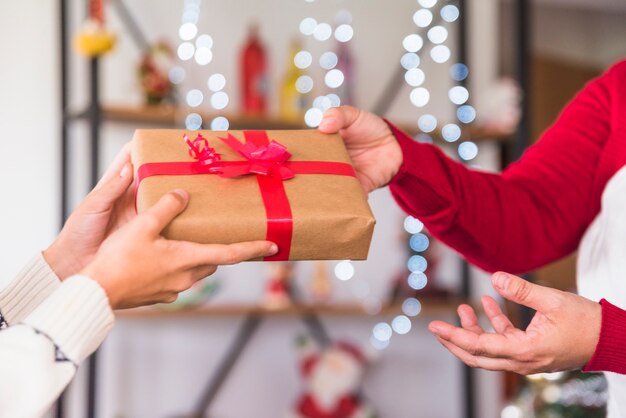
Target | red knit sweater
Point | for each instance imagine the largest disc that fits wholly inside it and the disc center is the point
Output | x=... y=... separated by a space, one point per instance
x=538 y=208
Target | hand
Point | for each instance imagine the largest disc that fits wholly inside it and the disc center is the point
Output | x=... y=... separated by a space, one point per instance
x=105 y=209
x=562 y=335
x=374 y=151
x=136 y=266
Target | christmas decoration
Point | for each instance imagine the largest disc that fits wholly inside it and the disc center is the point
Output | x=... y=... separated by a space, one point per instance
x=94 y=39
x=320 y=285
x=333 y=378
x=153 y=72
x=278 y=287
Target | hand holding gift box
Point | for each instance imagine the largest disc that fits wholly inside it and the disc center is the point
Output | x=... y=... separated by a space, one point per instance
x=295 y=188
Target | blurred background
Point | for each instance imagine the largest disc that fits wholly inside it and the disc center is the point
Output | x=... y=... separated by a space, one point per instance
x=480 y=78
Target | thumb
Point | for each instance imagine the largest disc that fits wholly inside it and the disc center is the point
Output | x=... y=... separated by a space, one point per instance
x=338 y=118
x=522 y=291
x=164 y=211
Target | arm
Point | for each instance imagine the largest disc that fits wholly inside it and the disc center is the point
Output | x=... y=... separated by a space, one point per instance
x=39 y=356
x=104 y=210
x=534 y=212
x=134 y=266
x=34 y=283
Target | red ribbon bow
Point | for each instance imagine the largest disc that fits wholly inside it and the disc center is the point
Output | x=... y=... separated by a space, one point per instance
x=267 y=159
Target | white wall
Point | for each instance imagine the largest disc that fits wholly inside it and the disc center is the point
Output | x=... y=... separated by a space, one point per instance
x=29 y=116
x=581 y=35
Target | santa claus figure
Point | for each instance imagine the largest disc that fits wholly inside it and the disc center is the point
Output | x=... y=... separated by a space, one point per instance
x=333 y=378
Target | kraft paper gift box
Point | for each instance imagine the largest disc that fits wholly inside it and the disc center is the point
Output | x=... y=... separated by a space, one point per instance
x=296 y=188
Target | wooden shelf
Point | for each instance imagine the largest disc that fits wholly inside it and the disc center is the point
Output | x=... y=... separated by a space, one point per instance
x=171 y=116
x=471 y=132
x=429 y=307
x=168 y=115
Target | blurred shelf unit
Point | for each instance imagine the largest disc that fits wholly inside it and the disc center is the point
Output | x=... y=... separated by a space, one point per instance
x=429 y=307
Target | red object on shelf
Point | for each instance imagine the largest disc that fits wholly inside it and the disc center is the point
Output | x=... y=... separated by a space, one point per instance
x=254 y=74
x=96 y=11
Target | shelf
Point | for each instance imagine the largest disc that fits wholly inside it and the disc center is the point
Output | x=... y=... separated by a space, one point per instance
x=470 y=132
x=167 y=115
x=171 y=116
x=429 y=307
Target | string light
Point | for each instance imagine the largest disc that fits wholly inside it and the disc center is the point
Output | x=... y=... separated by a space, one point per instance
x=334 y=78
x=437 y=35
x=344 y=270
x=200 y=48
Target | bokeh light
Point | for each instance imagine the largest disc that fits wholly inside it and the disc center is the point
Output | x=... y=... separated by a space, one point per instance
x=420 y=97
x=216 y=82
x=427 y=123
x=423 y=17
x=413 y=42
x=401 y=324
x=344 y=270
x=468 y=150
x=193 y=121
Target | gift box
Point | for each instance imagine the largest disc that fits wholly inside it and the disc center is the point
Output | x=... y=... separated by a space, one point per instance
x=296 y=188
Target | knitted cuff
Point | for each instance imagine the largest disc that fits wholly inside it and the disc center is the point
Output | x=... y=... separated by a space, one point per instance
x=610 y=354
x=76 y=317
x=30 y=287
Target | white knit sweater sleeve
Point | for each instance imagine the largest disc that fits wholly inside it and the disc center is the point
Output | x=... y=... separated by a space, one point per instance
x=39 y=356
x=34 y=283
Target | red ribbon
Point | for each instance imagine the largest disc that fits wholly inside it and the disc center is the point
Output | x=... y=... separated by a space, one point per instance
x=266 y=159
x=200 y=150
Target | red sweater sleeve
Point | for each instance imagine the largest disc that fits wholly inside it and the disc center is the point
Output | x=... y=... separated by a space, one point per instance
x=610 y=355
x=534 y=212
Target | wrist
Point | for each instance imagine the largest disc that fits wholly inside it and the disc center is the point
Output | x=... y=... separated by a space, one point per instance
x=97 y=276
x=60 y=260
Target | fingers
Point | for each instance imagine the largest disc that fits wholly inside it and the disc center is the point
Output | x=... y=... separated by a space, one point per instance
x=486 y=363
x=499 y=320
x=483 y=345
x=202 y=272
x=217 y=254
x=338 y=118
x=164 y=211
x=103 y=196
x=523 y=292
x=117 y=166
x=469 y=320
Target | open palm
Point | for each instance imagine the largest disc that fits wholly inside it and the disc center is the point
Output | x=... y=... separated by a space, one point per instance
x=561 y=336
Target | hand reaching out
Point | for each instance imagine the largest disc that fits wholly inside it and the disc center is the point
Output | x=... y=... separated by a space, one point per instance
x=374 y=151
x=106 y=208
x=136 y=266
x=562 y=335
